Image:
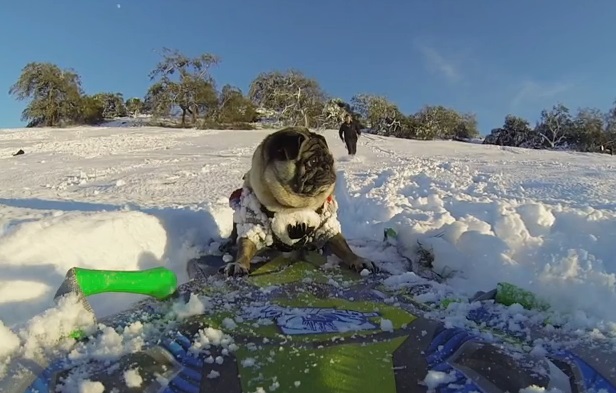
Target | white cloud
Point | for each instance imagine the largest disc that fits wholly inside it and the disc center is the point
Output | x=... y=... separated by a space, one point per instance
x=533 y=92
x=437 y=62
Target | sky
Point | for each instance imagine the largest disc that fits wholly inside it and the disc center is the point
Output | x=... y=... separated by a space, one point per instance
x=488 y=57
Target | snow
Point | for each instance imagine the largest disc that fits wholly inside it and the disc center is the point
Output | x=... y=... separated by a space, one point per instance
x=110 y=344
x=248 y=362
x=196 y=305
x=138 y=197
x=387 y=325
x=435 y=378
x=539 y=389
x=88 y=386
x=9 y=341
x=229 y=323
x=116 y=239
x=132 y=378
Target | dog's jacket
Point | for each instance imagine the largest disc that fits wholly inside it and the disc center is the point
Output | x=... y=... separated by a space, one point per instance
x=267 y=229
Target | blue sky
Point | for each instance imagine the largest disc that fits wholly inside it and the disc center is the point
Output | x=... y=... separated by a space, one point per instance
x=489 y=57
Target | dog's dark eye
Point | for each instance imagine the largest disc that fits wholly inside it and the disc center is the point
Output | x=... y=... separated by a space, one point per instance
x=311 y=162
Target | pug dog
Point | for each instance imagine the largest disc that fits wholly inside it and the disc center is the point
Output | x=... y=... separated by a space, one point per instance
x=287 y=202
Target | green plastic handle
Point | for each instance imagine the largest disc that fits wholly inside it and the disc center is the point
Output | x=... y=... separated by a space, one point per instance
x=158 y=282
x=508 y=294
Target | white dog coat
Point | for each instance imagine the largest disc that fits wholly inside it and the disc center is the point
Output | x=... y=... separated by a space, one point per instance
x=253 y=222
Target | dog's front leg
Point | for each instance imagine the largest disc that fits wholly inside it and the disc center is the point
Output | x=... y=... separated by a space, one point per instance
x=339 y=246
x=246 y=250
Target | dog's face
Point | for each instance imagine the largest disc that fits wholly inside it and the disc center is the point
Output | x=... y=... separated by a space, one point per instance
x=300 y=160
x=292 y=168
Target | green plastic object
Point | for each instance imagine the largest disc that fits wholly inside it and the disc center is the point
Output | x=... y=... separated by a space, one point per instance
x=509 y=294
x=158 y=282
x=389 y=233
x=447 y=301
x=78 y=334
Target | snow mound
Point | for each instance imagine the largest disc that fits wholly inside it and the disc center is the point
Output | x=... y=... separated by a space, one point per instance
x=39 y=248
x=476 y=239
x=39 y=252
x=556 y=252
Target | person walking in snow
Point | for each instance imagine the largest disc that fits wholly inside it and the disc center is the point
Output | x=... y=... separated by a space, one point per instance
x=349 y=133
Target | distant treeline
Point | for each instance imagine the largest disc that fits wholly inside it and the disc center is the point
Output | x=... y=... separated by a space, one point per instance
x=184 y=94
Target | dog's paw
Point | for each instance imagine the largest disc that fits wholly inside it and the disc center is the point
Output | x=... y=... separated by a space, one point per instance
x=234 y=269
x=360 y=264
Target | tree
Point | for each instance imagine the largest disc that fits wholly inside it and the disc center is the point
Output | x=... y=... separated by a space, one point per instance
x=432 y=122
x=609 y=134
x=437 y=121
x=158 y=100
x=134 y=106
x=515 y=132
x=91 y=110
x=587 y=130
x=378 y=113
x=233 y=107
x=113 y=104
x=194 y=92
x=292 y=97
x=333 y=113
x=467 y=127
x=55 y=94
x=555 y=126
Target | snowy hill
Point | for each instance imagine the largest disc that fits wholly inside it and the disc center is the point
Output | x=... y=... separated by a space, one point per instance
x=138 y=197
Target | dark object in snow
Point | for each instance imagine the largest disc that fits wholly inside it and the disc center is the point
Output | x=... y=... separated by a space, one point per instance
x=20 y=152
x=349 y=132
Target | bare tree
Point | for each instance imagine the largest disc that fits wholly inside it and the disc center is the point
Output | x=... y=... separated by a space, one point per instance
x=294 y=98
x=333 y=113
x=555 y=126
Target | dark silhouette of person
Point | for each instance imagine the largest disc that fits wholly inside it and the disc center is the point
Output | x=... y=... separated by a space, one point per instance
x=349 y=133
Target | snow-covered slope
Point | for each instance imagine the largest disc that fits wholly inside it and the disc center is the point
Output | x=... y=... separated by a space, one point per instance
x=138 y=197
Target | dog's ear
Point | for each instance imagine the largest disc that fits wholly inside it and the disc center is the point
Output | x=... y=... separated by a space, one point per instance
x=322 y=139
x=286 y=146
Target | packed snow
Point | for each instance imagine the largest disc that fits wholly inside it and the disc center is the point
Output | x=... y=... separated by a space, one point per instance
x=436 y=378
x=132 y=378
x=128 y=198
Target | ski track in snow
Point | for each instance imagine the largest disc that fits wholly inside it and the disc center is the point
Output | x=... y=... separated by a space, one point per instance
x=133 y=198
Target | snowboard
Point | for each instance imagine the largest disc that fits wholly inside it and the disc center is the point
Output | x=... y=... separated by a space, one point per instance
x=300 y=324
